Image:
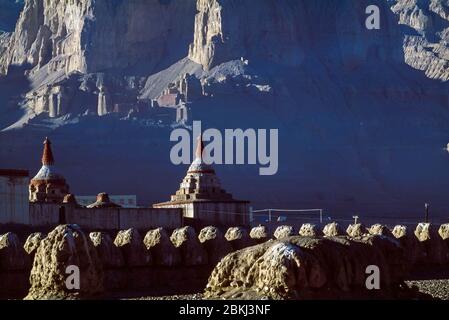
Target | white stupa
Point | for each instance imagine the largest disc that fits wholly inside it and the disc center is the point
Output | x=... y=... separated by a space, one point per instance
x=47 y=185
x=201 y=182
x=202 y=198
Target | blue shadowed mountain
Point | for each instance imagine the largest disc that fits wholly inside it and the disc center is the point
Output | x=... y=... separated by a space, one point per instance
x=363 y=115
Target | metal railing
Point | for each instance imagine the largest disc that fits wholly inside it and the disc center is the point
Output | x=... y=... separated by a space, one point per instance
x=271 y=210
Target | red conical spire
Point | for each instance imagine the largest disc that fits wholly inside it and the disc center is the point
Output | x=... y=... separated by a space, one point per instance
x=47 y=156
x=199 y=148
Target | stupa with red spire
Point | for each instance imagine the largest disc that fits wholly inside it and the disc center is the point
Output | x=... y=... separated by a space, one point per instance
x=47 y=185
x=201 y=182
x=201 y=196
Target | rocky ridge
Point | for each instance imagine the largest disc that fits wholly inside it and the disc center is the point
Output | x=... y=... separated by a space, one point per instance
x=291 y=267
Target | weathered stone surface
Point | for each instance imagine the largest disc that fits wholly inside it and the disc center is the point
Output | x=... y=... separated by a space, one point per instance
x=443 y=231
x=305 y=267
x=109 y=254
x=310 y=230
x=131 y=244
x=32 y=242
x=215 y=243
x=414 y=250
x=332 y=229
x=313 y=264
x=422 y=50
x=356 y=230
x=392 y=256
x=423 y=231
x=162 y=249
x=435 y=248
x=399 y=231
x=232 y=271
x=279 y=270
x=192 y=252
x=103 y=201
x=327 y=255
x=65 y=246
x=222 y=32
x=50 y=42
x=283 y=232
x=259 y=233
x=12 y=254
x=52 y=34
x=238 y=237
x=379 y=229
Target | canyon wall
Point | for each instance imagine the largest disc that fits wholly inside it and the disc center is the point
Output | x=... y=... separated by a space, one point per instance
x=89 y=36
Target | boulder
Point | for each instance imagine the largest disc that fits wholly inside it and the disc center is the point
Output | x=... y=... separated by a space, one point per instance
x=279 y=272
x=443 y=231
x=356 y=230
x=13 y=256
x=238 y=237
x=346 y=260
x=332 y=229
x=399 y=231
x=283 y=232
x=110 y=255
x=58 y=255
x=435 y=247
x=131 y=244
x=215 y=243
x=379 y=229
x=392 y=255
x=300 y=267
x=415 y=251
x=329 y=255
x=424 y=231
x=162 y=249
x=32 y=242
x=314 y=264
x=192 y=252
x=310 y=230
x=259 y=233
x=232 y=271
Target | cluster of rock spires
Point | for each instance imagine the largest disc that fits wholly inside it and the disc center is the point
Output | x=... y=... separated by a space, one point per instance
x=427 y=49
x=318 y=264
x=65 y=246
x=328 y=263
x=65 y=65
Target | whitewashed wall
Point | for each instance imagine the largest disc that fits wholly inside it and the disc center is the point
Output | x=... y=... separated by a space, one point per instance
x=14 y=200
x=47 y=214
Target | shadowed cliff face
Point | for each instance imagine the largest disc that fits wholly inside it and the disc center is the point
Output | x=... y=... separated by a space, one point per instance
x=362 y=114
x=286 y=33
x=148 y=36
x=91 y=36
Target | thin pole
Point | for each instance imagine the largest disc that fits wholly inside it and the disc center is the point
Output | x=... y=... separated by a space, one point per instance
x=426 y=206
x=251 y=217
